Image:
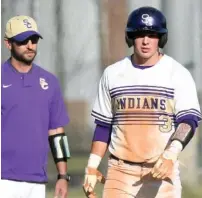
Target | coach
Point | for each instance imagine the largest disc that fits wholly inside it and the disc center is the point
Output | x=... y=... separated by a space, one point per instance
x=33 y=116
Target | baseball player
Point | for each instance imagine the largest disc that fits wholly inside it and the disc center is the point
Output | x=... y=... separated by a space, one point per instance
x=146 y=112
x=33 y=116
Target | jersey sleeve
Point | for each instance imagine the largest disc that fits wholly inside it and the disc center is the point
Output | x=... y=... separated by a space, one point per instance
x=186 y=99
x=102 y=109
x=58 y=116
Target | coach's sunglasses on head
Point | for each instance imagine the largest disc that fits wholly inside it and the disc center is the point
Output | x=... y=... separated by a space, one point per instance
x=34 y=39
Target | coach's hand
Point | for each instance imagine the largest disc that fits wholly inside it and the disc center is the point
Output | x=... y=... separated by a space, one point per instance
x=164 y=165
x=61 y=188
x=91 y=177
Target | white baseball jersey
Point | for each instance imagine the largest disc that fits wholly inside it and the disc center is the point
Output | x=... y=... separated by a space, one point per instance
x=143 y=106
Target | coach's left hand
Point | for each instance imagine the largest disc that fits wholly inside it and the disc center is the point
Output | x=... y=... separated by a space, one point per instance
x=164 y=165
x=61 y=189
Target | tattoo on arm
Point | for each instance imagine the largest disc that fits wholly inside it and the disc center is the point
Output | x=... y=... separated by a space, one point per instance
x=182 y=131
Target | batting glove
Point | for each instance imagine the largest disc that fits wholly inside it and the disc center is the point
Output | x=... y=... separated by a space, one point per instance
x=91 y=177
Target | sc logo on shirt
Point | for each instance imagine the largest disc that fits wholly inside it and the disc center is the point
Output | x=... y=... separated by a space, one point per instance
x=43 y=83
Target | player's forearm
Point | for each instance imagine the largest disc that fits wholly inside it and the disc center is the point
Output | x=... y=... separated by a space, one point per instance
x=98 y=151
x=101 y=140
x=179 y=140
x=184 y=133
x=99 y=148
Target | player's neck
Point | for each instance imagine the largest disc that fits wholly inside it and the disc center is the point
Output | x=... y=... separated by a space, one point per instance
x=20 y=66
x=146 y=61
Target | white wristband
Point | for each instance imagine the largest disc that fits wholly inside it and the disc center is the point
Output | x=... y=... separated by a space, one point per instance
x=175 y=147
x=173 y=151
x=94 y=161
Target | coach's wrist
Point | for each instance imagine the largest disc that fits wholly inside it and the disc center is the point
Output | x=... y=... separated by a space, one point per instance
x=94 y=161
x=66 y=177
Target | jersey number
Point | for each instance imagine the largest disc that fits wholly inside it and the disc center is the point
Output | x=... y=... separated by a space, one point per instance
x=167 y=124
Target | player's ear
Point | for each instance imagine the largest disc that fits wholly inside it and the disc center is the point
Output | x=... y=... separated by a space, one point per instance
x=7 y=43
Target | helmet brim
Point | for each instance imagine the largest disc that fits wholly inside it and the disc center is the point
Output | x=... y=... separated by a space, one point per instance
x=149 y=29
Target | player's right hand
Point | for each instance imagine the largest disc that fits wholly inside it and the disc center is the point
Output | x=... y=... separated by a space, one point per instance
x=91 y=177
x=164 y=165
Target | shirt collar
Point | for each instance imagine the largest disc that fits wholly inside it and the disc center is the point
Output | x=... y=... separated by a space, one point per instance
x=8 y=62
x=28 y=78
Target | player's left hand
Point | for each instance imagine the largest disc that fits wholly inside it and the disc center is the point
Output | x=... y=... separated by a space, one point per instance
x=61 y=189
x=164 y=165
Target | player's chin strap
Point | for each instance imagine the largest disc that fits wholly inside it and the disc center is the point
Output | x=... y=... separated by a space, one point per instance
x=101 y=179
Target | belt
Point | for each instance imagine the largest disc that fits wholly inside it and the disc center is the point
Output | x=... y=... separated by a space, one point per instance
x=146 y=164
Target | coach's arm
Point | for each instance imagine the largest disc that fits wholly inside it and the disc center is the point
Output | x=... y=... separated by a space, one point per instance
x=60 y=151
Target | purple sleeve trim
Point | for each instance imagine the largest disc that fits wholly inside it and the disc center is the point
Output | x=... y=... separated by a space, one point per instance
x=102 y=134
x=102 y=123
x=189 y=119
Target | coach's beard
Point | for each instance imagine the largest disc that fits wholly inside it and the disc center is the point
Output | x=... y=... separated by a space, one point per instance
x=22 y=58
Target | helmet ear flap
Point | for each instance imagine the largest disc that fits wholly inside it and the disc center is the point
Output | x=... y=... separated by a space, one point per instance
x=163 y=40
x=129 y=41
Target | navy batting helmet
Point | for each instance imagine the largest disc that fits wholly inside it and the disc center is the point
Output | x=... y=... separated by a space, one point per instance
x=146 y=19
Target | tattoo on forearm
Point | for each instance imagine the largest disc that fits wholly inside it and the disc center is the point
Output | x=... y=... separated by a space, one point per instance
x=182 y=131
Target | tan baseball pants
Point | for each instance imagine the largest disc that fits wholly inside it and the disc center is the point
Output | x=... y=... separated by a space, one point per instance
x=135 y=181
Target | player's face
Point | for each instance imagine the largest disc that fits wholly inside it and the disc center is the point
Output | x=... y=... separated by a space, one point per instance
x=146 y=45
x=25 y=51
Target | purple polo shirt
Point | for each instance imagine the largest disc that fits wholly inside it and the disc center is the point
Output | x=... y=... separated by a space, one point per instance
x=31 y=104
